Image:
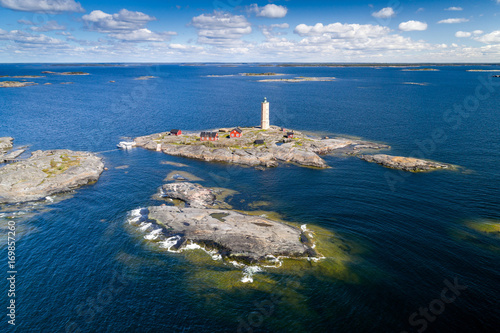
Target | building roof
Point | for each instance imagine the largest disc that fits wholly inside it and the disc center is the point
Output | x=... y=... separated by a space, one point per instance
x=237 y=129
x=209 y=134
x=175 y=130
x=289 y=133
x=259 y=142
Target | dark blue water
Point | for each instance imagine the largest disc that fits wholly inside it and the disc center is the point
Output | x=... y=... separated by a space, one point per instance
x=81 y=269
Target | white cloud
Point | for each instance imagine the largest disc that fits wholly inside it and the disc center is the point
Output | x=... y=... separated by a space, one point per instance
x=413 y=26
x=125 y=25
x=454 y=20
x=142 y=35
x=385 y=13
x=269 y=31
x=49 y=26
x=29 y=40
x=462 y=34
x=339 y=30
x=478 y=32
x=222 y=29
x=454 y=9
x=43 y=6
x=124 y=20
x=269 y=11
x=491 y=38
x=26 y=22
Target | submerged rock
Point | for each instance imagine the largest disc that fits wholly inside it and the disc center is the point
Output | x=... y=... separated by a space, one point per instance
x=46 y=173
x=233 y=234
x=404 y=163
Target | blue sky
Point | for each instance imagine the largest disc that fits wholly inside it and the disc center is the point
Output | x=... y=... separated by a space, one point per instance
x=249 y=31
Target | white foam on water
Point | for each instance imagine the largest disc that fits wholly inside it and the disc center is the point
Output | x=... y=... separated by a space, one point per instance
x=169 y=242
x=145 y=226
x=248 y=273
x=154 y=235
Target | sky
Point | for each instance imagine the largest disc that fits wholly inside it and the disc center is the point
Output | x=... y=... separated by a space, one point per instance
x=404 y=31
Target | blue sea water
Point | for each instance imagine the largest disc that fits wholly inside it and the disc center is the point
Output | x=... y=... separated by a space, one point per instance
x=81 y=269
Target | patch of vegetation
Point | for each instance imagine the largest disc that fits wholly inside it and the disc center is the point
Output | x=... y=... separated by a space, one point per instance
x=57 y=168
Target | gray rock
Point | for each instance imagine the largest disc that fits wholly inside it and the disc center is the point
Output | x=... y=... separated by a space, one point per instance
x=404 y=163
x=194 y=195
x=235 y=235
x=46 y=173
x=6 y=143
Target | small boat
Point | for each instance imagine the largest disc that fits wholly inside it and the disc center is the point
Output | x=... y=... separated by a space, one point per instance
x=126 y=144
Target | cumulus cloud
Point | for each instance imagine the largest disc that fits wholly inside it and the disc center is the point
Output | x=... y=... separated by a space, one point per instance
x=26 y=22
x=49 y=26
x=462 y=34
x=454 y=20
x=491 y=38
x=385 y=13
x=454 y=9
x=478 y=32
x=222 y=29
x=43 y=6
x=413 y=26
x=125 y=25
x=269 y=11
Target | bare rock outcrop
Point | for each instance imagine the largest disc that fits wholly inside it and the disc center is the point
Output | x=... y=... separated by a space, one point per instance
x=46 y=173
x=195 y=195
x=233 y=234
x=405 y=163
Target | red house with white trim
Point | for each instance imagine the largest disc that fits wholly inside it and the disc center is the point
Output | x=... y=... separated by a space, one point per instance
x=209 y=136
x=236 y=133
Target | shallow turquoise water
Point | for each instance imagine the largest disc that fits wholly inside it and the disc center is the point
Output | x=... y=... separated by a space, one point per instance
x=79 y=264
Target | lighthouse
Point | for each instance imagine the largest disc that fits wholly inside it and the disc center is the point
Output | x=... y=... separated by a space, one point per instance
x=264 y=123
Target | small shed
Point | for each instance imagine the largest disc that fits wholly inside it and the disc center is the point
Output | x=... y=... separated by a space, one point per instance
x=259 y=142
x=289 y=135
x=236 y=133
x=176 y=132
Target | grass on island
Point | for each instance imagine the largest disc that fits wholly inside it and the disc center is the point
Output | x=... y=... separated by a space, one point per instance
x=62 y=164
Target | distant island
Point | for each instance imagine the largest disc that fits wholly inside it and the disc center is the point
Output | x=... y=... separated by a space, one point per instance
x=16 y=84
x=65 y=73
x=301 y=79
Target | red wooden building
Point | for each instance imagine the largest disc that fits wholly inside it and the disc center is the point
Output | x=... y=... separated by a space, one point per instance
x=209 y=136
x=176 y=132
x=289 y=135
x=236 y=133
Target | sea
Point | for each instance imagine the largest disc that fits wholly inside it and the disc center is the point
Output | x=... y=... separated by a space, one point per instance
x=411 y=252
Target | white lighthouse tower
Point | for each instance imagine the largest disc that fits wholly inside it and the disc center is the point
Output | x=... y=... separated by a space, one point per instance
x=264 y=123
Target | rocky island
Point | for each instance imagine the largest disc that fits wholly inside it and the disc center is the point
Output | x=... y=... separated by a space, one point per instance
x=46 y=173
x=15 y=84
x=231 y=234
x=255 y=147
x=405 y=163
x=267 y=146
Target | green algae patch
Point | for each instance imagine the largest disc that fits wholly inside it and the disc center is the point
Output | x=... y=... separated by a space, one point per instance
x=258 y=204
x=488 y=227
x=482 y=233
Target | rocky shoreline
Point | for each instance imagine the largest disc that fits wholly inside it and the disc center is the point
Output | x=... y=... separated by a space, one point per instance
x=256 y=148
x=46 y=173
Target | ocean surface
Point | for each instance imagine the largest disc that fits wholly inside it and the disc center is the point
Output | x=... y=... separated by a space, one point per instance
x=406 y=237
